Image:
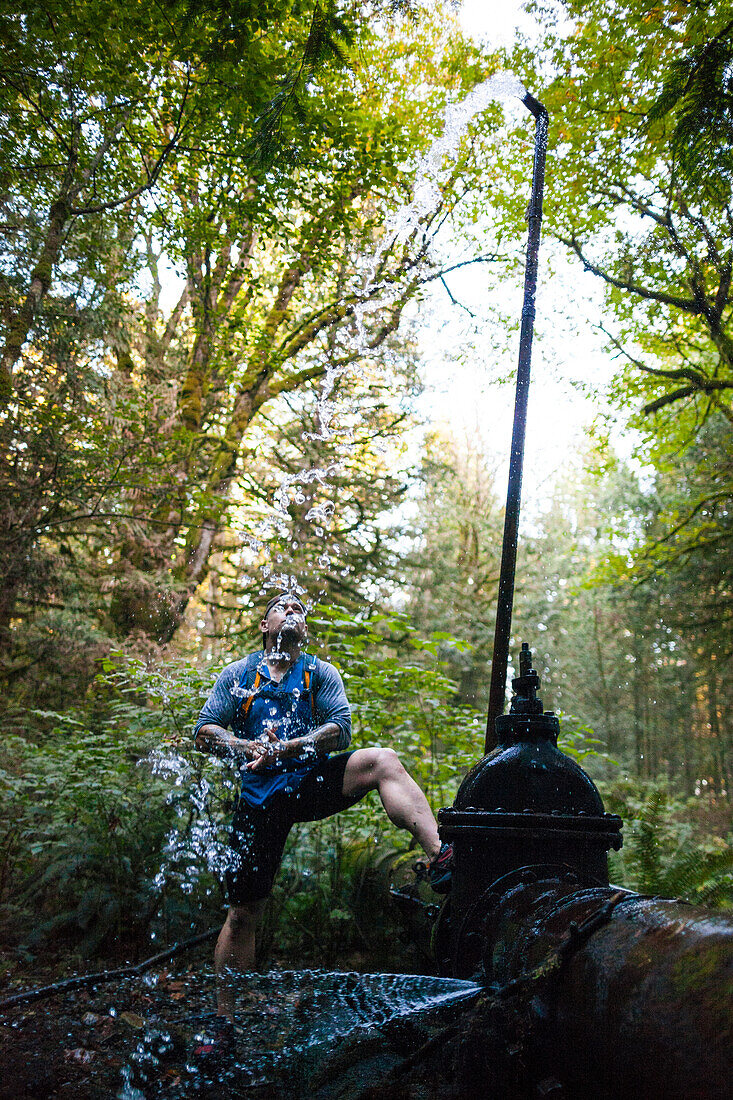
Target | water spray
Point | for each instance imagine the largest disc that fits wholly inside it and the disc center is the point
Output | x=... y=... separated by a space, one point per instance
x=402 y=227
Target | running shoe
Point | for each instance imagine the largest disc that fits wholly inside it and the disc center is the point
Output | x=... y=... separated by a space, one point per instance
x=440 y=870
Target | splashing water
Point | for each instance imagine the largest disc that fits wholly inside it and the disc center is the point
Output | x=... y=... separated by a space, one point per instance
x=374 y=294
x=302 y=477
x=456 y=119
x=330 y=1005
x=193 y=844
x=287 y=1023
x=407 y=218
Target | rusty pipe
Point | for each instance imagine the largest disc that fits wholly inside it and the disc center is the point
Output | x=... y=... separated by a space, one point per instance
x=630 y=995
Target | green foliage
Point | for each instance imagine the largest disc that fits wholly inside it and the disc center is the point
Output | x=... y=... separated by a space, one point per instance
x=160 y=432
x=331 y=900
x=640 y=95
x=698 y=93
x=688 y=534
x=578 y=740
x=112 y=834
x=118 y=825
x=400 y=697
x=83 y=825
x=661 y=853
x=454 y=566
x=329 y=37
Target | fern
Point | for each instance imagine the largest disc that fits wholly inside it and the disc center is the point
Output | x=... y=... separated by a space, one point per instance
x=329 y=37
x=699 y=92
x=661 y=856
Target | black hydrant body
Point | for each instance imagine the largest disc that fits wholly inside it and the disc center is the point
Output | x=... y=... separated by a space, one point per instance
x=624 y=995
x=526 y=805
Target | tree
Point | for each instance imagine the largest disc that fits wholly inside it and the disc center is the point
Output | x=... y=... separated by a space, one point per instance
x=99 y=100
x=638 y=658
x=698 y=95
x=659 y=242
x=579 y=630
x=454 y=569
x=287 y=283
x=622 y=201
x=640 y=94
x=81 y=100
x=282 y=269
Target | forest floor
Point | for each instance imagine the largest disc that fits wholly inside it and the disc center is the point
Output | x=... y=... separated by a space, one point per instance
x=136 y=1039
x=111 y=1040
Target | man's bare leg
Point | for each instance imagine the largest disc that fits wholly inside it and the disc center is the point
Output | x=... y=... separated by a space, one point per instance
x=235 y=951
x=405 y=804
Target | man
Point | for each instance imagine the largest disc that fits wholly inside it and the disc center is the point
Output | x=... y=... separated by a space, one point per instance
x=287 y=711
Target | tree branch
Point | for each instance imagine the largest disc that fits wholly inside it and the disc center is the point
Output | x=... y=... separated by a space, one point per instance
x=687 y=305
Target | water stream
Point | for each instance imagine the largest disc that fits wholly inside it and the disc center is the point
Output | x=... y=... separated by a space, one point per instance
x=288 y=1024
x=375 y=287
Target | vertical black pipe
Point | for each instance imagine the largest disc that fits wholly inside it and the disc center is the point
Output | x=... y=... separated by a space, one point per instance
x=505 y=600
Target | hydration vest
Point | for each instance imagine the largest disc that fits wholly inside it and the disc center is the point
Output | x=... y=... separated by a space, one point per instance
x=253 y=684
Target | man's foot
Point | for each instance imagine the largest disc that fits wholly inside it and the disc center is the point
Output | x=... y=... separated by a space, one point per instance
x=440 y=870
x=215 y=1041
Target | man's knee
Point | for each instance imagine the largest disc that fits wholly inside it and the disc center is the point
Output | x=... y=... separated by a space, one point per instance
x=377 y=764
x=389 y=764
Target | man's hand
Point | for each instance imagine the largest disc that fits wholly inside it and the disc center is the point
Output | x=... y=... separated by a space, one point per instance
x=310 y=746
x=267 y=752
x=242 y=749
x=263 y=753
x=217 y=741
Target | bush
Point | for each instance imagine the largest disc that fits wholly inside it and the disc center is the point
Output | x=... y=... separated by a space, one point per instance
x=83 y=823
x=663 y=852
x=115 y=826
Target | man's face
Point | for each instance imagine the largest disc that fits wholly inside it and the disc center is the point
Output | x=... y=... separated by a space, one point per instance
x=285 y=620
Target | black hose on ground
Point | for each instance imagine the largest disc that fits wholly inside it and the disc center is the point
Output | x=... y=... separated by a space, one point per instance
x=131 y=971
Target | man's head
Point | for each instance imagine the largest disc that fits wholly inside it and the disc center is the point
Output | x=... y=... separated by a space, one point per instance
x=284 y=618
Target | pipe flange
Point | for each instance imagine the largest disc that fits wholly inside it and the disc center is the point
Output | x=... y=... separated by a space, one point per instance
x=469 y=944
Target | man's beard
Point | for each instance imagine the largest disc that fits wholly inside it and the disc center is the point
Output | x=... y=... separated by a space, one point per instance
x=289 y=632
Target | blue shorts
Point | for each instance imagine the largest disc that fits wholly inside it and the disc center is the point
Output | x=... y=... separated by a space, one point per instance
x=258 y=833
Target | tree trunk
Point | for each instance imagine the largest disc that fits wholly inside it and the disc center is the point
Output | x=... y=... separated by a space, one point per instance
x=638 y=712
x=21 y=323
x=720 y=771
x=686 y=737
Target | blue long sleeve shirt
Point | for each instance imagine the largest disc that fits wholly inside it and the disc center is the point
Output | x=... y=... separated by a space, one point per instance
x=285 y=706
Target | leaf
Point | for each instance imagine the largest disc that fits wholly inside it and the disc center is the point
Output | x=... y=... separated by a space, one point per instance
x=133 y=1020
x=79 y=1055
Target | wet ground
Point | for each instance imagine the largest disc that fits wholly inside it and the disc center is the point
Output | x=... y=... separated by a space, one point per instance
x=307 y=1034
x=77 y=1044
